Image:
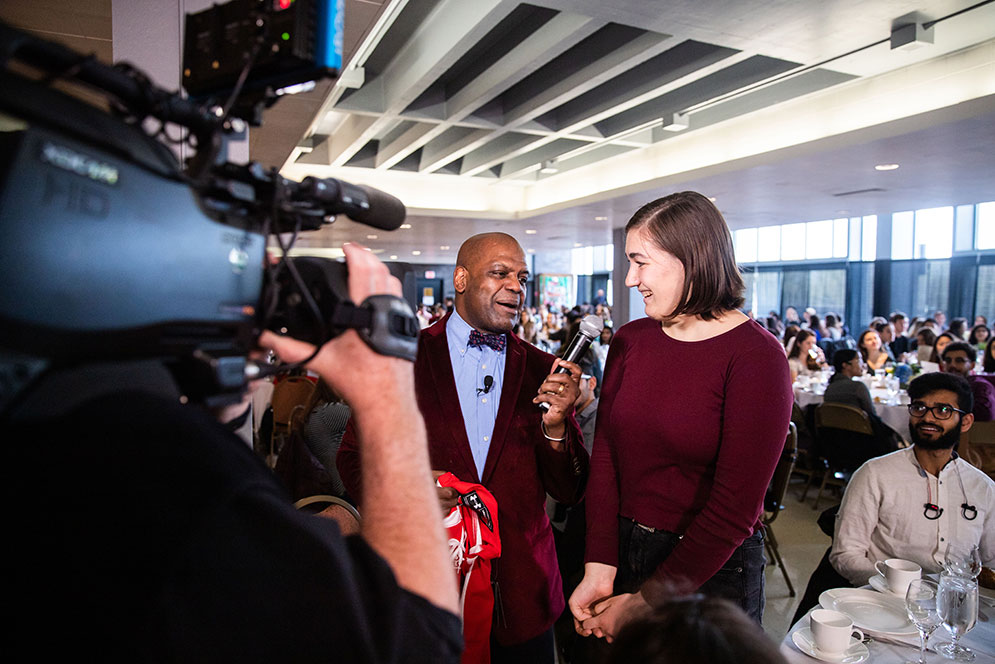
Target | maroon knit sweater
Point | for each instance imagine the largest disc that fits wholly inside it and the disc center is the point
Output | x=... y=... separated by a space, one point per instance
x=687 y=439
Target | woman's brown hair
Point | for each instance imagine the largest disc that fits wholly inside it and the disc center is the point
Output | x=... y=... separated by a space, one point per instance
x=688 y=226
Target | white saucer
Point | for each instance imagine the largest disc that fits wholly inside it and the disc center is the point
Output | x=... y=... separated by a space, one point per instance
x=879 y=584
x=855 y=652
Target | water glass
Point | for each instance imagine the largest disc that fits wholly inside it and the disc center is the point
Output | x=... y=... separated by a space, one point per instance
x=920 y=603
x=961 y=560
x=957 y=604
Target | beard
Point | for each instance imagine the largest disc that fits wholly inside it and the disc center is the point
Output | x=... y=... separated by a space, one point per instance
x=944 y=442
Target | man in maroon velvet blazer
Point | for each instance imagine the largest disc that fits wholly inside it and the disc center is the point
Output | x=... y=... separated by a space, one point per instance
x=518 y=451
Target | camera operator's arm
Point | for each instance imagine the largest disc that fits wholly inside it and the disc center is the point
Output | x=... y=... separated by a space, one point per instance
x=401 y=520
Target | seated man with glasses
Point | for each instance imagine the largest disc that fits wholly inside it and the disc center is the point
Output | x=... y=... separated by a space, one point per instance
x=959 y=358
x=913 y=503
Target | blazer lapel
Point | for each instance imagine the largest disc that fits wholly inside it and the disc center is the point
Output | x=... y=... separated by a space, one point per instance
x=514 y=373
x=441 y=367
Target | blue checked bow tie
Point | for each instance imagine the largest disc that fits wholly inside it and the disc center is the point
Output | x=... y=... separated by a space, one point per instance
x=495 y=341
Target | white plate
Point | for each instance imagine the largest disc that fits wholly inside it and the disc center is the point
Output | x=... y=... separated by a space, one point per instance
x=870 y=610
x=855 y=652
x=879 y=584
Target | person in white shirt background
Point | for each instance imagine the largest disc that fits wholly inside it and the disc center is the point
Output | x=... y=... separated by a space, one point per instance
x=915 y=503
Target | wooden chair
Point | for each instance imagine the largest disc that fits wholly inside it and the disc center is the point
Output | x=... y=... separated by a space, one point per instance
x=289 y=395
x=845 y=439
x=979 y=447
x=342 y=511
x=807 y=463
x=774 y=500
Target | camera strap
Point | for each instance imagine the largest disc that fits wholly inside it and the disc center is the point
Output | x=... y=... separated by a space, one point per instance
x=385 y=322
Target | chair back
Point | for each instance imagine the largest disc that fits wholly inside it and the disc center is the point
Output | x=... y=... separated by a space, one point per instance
x=289 y=394
x=842 y=416
x=844 y=436
x=774 y=500
x=828 y=346
x=980 y=446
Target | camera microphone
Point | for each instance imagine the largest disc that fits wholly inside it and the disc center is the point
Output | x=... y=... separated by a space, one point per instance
x=360 y=203
x=488 y=383
x=590 y=329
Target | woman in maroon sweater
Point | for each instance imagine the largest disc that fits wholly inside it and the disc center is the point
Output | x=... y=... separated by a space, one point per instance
x=694 y=412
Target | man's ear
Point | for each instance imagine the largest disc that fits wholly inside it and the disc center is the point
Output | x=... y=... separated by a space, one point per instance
x=459 y=279
x=966 y=421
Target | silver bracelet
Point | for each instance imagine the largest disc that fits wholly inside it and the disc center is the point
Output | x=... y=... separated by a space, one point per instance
x=542 y=425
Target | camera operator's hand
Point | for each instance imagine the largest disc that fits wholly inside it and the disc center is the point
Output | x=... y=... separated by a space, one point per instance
x=347 y=356
x=401 y=519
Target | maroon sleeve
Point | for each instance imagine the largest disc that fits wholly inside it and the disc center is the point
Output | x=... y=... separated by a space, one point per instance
x=755 y=419
x=563 y=473
x=602 y=504
x=348 y=463
x=984 y=400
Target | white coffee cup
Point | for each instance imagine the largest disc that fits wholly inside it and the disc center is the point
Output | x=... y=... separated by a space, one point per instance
x=831 y=631
x=898 y=573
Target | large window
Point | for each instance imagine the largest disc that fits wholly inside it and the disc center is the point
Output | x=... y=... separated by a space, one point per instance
x=925 y=233
x=813 y=240
x=984 y=303
x=930 y=288
x=985 y=226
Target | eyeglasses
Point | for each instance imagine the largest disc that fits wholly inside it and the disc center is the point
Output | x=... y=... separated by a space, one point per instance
x=940 y=412
x=957 y=360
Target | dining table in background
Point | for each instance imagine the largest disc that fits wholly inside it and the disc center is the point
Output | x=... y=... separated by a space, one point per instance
x=893 y=409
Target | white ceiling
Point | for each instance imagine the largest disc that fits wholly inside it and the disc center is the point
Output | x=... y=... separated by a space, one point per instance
x=463 y=100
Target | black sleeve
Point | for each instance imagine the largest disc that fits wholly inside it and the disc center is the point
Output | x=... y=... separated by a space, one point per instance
x=266 y=583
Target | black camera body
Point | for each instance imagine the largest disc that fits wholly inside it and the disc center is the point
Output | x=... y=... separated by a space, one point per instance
x=112 y=251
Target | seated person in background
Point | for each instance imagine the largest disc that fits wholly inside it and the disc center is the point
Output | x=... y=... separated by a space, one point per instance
x=901 y=344
x=988 y=359
x=875 y=353
x=804 y=357
x=925 y=340
x=958 y=328
x=913 y=503
x=694 y=630
x=959 y=358
x=942 y=341
x=843 y=389
x=979 y=336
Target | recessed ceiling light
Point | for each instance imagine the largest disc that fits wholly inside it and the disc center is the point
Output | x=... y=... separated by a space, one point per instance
x=405 y=226
x=578 y=244
x=444 y=247
x=393 y=257
x=886 y=167
x=531 y=251
x=601 y=218
x=711 y=198
x=416 y=253
x=371 y=237
x=531 y=231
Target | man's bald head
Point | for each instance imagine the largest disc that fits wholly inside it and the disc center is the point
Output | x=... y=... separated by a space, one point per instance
x=490 y=279
x=484 y=245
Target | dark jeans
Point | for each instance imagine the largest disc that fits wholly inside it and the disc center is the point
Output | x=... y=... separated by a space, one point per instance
x=740 y=580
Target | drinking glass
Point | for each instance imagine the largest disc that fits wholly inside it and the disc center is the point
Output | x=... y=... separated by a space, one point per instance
x=920 y=603
x=957 y=604
x=963 y=561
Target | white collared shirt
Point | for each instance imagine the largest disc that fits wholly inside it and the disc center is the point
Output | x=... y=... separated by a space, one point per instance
x=882 y=515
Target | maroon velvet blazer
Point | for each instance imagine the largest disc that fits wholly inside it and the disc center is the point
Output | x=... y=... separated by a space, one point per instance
x=520 y=469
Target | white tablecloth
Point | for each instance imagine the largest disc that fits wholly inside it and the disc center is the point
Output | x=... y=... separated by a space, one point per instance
x=981 y=640
x=895 y=415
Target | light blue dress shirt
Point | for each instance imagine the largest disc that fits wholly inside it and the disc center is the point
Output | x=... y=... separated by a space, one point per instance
x=470 y=366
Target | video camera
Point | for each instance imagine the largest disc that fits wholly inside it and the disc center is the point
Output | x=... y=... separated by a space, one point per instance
x=114 y=251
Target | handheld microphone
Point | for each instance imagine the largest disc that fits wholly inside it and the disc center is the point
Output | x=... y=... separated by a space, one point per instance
x=488 y=383
x=590 y=329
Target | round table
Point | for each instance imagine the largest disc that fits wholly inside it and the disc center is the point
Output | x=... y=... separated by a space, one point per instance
x=895 y=415
x=981 y=640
